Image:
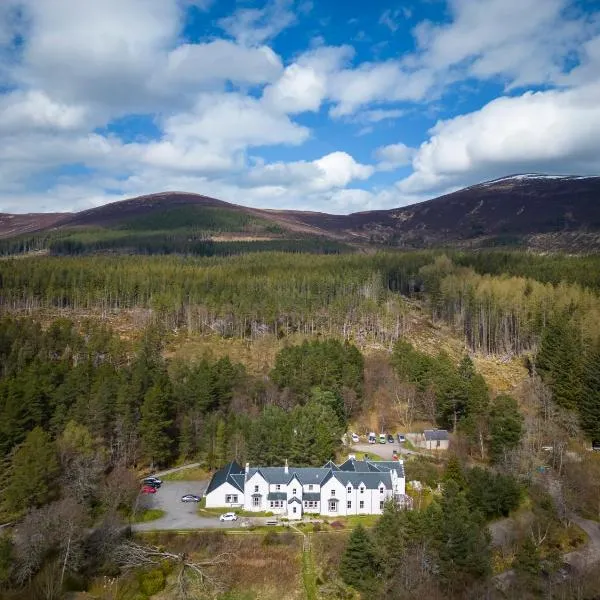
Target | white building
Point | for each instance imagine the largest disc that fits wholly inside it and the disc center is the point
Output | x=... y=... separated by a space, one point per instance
x=353 y=488
x=434 y=439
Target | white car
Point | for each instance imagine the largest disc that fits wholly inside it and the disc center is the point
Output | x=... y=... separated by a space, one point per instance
x=228 y=517
x=355 y=438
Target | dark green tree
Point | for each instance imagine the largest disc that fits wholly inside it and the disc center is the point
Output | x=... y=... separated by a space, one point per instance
x=506 y=427
x=462 y=540
x=358 y=565
x=33 y=473
x=156 y=424
x=589 y=406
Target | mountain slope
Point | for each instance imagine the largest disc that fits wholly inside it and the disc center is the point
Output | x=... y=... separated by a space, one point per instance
x=538 y=211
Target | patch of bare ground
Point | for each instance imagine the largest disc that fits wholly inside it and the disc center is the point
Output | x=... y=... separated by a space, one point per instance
x=257 y=564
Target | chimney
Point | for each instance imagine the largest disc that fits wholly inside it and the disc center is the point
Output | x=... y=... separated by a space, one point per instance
x=286 y=469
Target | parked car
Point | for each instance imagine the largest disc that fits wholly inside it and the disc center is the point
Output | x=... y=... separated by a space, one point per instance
x=372 y=438
x=390 y=438
x=190 y=498
x=401 y=438
x=355 y=438
x=148 y=489
x=153 y=481
x=228 y=517
x=382 y=438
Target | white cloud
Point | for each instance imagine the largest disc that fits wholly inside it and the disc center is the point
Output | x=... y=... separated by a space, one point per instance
x=254 y=26
x=555 y=131
x=390 y=17
x=393 y=156
x=221 y=60
x=303 y=85
x=34 y=110
x=334 y=170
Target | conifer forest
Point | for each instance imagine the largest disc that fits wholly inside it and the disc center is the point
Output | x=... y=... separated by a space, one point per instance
x=116 y=365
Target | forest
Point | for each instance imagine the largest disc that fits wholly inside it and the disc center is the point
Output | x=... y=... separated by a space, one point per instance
x=86 y=408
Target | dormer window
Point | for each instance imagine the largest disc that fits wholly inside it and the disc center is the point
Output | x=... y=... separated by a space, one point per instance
x=256 y=488
x=277 y=487
x=381 y=490
x=294 y=491
x=362 y=490
x=332 y=493
x=310 y=487
x=349 y=489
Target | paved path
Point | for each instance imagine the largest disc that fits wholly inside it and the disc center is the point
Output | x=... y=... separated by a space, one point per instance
x=176 y=469
x=183 y=515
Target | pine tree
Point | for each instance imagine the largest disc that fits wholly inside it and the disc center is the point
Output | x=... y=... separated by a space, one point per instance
x=527 y=562
x=358 y=565
x=33 y=472
x=590 y=399
x=506 y=427
x=454 y=472
x=155 y=425
x=462 y=540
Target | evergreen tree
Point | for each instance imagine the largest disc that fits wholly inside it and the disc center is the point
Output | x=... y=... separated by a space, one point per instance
x=589 y=406
x=559 y=361
x=33 y=472
x=527 y=562
x=454 y=472
x=358 y=565
x=462 y=540
x=506 y=427
x=156 y=424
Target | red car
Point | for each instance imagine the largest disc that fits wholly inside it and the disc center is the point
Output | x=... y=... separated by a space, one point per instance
x=148 y=489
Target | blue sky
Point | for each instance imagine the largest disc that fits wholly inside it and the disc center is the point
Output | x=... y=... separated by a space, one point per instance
x=329 y=106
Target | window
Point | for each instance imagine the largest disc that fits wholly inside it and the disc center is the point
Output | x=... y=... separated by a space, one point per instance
x=361 y=504
x=349 y=489
x=362 y=490
x=294 y=510
x=310 y=487
x=349 y=504
x=381 y=505
x=294 y=492
x=381 y=490
x=332 y=506
x=256 y=488
x=231 y=499
x=278 y=487
x=271 y=504
x=256 y=501
x=333 y=493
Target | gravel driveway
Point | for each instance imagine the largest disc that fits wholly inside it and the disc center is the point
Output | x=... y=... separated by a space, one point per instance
x=386 y=451
x=178 y=514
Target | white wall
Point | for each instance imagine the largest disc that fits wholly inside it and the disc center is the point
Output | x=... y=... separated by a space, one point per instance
x=216 y=498
x=340 y=495
x=257 y=480
x=294 y=484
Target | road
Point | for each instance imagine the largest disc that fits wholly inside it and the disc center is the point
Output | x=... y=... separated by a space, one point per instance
x=176 y=469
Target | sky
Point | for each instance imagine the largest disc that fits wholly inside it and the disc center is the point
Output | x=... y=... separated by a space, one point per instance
x=327 y=105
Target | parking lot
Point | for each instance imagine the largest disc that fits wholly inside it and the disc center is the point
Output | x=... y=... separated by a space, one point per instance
x=178 y=514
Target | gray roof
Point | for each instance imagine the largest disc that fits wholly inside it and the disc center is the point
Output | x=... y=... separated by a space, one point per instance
x=331 y=465
x=294 y=500
x=372 y=466
x=371 y=481
x=226 y=475
x=276 y=496
x=369 y=472
x=435 y=434
x=305 y=475
x=311 y=496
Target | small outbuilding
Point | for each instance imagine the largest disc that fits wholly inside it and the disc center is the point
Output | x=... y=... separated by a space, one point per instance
x=434 y=439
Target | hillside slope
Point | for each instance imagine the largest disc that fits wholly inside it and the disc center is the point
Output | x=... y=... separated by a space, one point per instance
x=536 y=211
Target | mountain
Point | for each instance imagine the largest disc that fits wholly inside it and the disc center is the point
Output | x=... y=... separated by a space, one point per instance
x=536 y=211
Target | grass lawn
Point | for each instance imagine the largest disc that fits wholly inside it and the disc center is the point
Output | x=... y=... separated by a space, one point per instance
x=192 y=474
x=150 y=514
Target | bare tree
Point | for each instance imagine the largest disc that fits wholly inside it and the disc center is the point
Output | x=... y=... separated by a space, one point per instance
x=191 y=575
